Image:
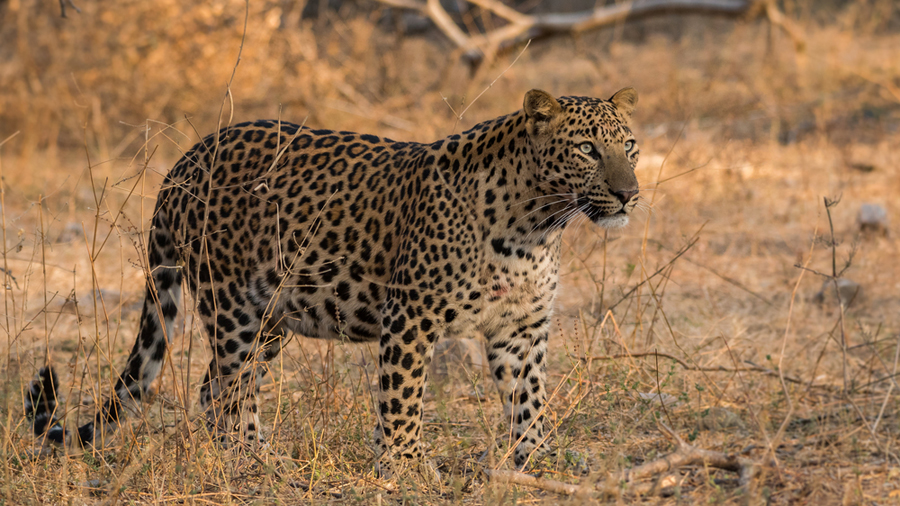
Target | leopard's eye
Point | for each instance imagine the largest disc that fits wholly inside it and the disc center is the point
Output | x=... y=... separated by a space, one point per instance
x=629 y=145
x=586 y=148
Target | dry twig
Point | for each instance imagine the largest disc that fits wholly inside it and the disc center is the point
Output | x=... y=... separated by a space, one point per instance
x=625 y=480
x=717 y=368
x=678 y=254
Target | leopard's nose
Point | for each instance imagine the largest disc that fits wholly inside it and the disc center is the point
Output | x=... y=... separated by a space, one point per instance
x=625 y=195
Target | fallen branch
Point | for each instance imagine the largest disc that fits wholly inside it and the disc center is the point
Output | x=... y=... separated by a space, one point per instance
x=716 y=368
x=520 y=27
x=625 y=481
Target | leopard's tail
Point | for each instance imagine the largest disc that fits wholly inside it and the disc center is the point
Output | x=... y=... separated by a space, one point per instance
x=41 y=403
x=163 y=294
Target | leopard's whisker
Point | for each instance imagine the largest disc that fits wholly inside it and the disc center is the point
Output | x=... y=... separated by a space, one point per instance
x=550 y=216
x=561 y=222
x=525 y=201
x=540 y=208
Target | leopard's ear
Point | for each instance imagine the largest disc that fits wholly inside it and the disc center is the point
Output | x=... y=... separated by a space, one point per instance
x=540 y=109
x=625 y=100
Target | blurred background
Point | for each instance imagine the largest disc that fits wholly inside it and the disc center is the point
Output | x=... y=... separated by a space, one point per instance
x=751 y=115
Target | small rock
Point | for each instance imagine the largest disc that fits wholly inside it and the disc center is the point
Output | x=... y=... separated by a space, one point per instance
x=862 y=166
x=656 y=398
x=872 y=219
x=718 y=418
x=414 y=23
x=850 y=292
x=95 y=486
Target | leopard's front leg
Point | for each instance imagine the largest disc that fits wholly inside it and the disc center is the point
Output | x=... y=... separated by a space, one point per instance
x=407 y=345
x=517 y=354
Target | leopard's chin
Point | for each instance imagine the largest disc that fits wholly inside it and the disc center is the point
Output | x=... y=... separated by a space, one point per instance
x=612 y=222
x=601 y=216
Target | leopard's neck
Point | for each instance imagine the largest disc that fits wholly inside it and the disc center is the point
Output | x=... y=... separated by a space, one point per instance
x=492 y=170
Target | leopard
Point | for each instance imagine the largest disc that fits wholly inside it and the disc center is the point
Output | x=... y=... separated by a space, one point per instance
x=280 y=229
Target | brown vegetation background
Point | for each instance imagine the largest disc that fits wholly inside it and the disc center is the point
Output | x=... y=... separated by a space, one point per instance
x=742 y=133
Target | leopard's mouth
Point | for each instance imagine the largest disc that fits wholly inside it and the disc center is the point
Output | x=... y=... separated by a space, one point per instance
x=595 y=211
x=601 y=217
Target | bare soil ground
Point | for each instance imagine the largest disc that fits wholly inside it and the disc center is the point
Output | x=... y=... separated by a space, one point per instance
x=742 y=139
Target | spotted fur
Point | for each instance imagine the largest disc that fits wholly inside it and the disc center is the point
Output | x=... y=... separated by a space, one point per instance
x=338 y=235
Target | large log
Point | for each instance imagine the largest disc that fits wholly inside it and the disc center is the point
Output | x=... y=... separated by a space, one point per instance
x=520 y=27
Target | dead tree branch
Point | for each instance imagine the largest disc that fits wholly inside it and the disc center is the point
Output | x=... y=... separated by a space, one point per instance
x=777 y=18
x=520 y=27
x=625 y=481
x=67 y=3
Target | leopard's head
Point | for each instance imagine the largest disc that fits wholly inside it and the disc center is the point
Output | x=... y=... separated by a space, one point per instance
x=586 y=152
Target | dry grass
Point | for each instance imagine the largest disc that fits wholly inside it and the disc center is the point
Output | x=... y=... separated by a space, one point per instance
x=741 y=139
